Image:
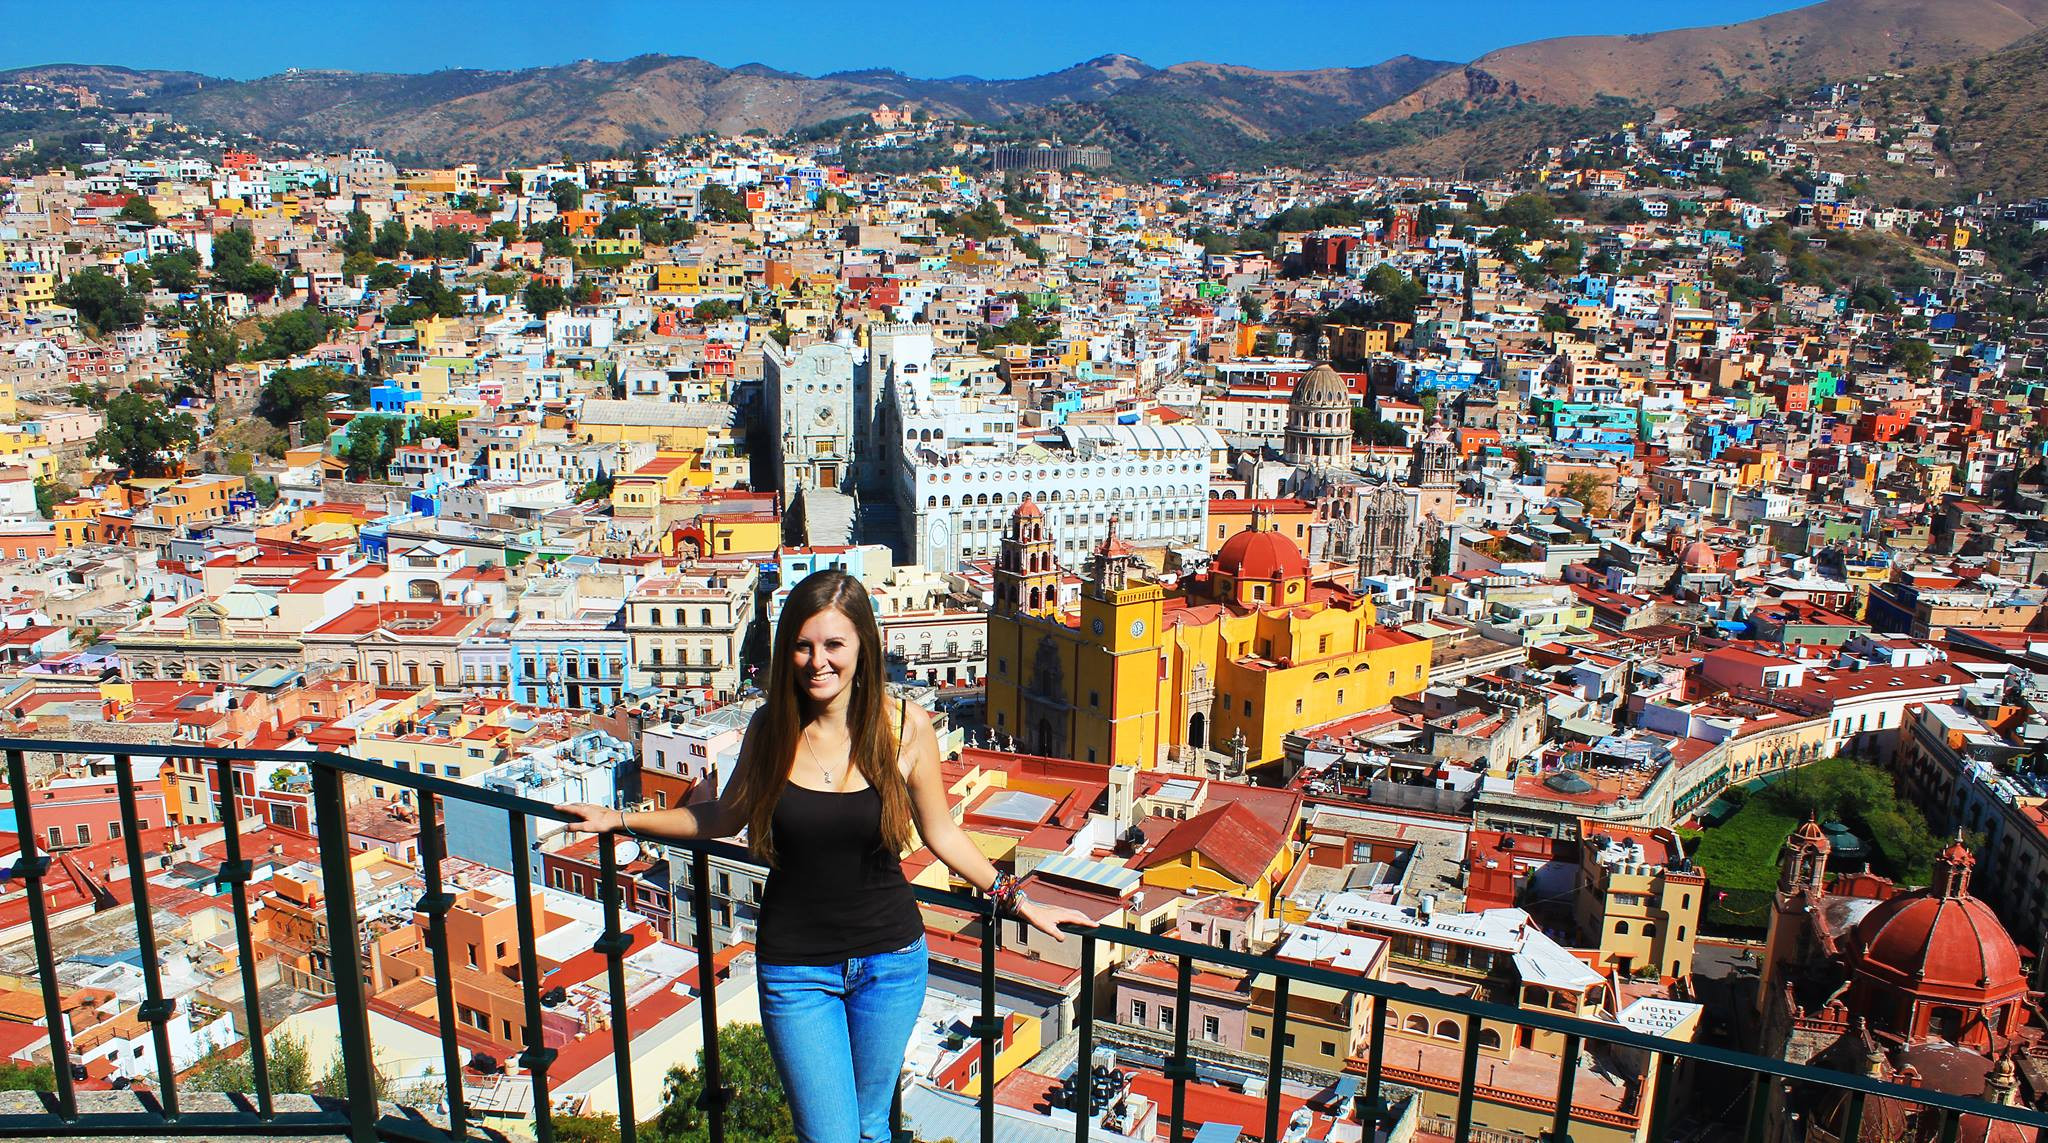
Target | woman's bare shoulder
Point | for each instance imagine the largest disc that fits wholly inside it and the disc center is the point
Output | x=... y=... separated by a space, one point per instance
x=917 y=728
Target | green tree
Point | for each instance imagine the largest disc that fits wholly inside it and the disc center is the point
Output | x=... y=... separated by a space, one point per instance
x=372 y=441
x=300 y=395
x=1529 y=212
x=88 y=396
x=1251 y=307
x=447 y=429
x=143 y=436
x=1583 y=487
x=235 y=266
x=600 y=489
x=175 y=270
x=103 y=302
x=567 y=195
x=716 y=203
x=50 y=493
x=1913 y=355
x=27 y=1077
x=758 y=1113
x=210 y=344
x=292 y=333
x=712 y=310
x=384 y=275
x=1858 y=792
x=389 y=241
x=544 y=298
x=137 y=209
x=586 y=1128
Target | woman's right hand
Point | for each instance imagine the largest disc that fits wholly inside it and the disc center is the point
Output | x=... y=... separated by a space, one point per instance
x=588 y=818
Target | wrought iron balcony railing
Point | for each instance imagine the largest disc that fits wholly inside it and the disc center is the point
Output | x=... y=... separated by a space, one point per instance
x=360 y=1116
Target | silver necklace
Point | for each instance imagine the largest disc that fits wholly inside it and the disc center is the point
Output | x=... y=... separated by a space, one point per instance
x=830 y=781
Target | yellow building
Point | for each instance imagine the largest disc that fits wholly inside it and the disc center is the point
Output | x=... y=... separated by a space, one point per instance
x=1638 y=903
x=1254 y=649
x=32 y=293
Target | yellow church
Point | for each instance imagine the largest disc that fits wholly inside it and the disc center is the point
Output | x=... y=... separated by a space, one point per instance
x=1256 y=647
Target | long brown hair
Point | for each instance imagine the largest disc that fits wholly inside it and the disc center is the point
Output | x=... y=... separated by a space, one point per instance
x=765 y=767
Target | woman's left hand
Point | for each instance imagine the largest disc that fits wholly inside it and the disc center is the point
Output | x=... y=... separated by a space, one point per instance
x=1047 y=919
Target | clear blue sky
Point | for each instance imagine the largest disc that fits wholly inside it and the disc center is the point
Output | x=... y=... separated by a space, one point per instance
x=242 y=39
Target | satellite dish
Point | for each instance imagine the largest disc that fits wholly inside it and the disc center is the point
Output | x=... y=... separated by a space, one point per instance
x=628 y=852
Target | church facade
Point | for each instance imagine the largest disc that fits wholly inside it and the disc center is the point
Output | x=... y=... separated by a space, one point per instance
x=1229 y=662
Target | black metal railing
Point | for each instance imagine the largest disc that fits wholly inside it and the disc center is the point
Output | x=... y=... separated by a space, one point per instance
x=360 y=1117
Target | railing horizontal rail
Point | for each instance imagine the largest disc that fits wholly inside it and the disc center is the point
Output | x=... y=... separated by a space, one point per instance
x=1576 y=1029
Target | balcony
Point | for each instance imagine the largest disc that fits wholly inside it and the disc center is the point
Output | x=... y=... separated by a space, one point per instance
x=1369 y=1085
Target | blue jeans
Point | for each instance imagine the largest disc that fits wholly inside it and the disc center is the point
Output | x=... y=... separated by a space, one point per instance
x=838 y=1033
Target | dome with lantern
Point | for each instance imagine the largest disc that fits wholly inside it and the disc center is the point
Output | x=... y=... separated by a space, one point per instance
x=1938 y=962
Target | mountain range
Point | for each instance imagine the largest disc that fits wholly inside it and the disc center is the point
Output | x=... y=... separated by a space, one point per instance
x=1403 y=113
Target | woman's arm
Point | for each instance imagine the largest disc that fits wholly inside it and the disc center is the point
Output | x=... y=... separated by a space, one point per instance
x=949 y=843
x=697 y=821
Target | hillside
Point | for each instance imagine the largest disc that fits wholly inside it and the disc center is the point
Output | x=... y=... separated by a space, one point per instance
x=496 y=117
x=1836 y=39
x=1198 y=117
x=1995 y=112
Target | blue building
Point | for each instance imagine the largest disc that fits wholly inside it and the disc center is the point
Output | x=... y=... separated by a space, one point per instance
x=578 y=663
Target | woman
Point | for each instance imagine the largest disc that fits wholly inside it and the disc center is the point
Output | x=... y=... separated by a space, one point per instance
x=831 y=775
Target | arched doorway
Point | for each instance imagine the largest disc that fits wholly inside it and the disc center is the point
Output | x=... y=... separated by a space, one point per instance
x=1197 y=730
x=1045 y=736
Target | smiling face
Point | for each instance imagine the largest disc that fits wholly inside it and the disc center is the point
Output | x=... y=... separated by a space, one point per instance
x=825 y=655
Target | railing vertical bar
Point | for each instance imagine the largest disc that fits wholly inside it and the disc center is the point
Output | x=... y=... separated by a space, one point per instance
x=1664 y=1072
x=615 y=946
x=713 y=1099
x=29 y=865
x=344 y=959
x=433 y=851
x=1760 y=1106
x=1567 y=1080
x=1276 y=1053
x=1181 y=1068
x=537 y=1055
x=986 y=1026
x=155 y=1009
x=1468 y=1078
x=1852 y=1119
x=1951 y=1125
x=1084 y=1066
x=1375 y=1049
x=235 y=875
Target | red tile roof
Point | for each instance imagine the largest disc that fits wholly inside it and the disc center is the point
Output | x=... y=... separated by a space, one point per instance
x=1230 y=838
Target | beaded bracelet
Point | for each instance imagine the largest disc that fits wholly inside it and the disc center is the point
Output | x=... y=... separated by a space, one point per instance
x=1003 y=895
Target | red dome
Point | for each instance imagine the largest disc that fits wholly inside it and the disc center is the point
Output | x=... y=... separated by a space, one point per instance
x=1951 y=945
x=1028 y=508
x=1700 y=554
x=1256 y=554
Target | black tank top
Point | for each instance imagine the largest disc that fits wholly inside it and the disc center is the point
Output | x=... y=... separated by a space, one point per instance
x=836 y=891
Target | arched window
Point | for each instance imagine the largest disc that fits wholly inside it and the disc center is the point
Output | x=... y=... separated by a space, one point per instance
x=1649 y=928
x=1489 y=1039
x=1419 y=1024
x=1621 y=928
x=1447 y=1030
